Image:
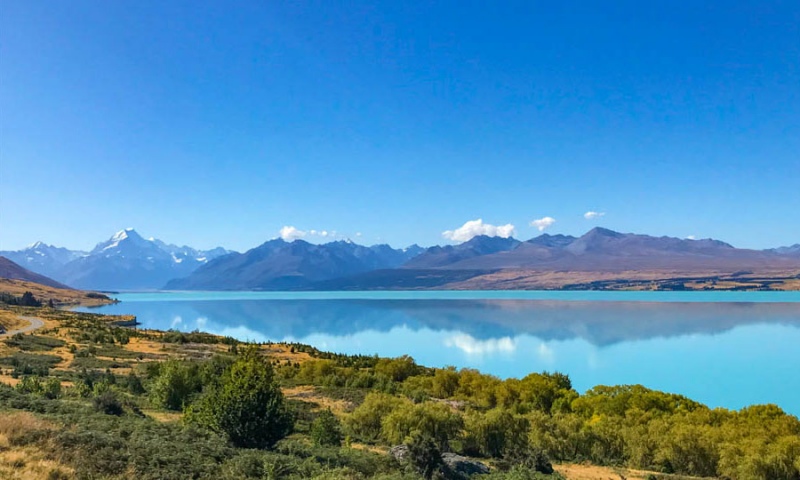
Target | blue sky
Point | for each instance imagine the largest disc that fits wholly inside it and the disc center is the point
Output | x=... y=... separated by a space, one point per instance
x=219 y=123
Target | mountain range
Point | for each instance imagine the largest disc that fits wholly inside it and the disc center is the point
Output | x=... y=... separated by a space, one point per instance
x=127 y=261
x=281 y=265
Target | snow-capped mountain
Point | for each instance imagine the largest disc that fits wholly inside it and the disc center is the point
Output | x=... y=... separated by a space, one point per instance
x=43 y=258
x=128 y=261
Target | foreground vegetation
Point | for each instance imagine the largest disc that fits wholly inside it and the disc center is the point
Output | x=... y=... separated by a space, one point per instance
x=84 y=398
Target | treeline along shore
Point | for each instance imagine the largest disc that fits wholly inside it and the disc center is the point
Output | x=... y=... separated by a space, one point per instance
x=83 y=397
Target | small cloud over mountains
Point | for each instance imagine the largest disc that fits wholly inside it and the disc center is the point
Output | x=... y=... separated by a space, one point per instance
x=473 y=228
x=289 y=233
x=590 y=215
x=543 y=223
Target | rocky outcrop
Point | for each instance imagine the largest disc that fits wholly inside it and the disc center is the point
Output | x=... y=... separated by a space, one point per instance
x=455 y=466
x=463 y=465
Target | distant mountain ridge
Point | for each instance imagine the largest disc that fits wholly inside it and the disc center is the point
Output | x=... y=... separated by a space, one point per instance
x=43 y=258
x=601 y=249
x=127 y=261
x=278 y=265
x=790 y=250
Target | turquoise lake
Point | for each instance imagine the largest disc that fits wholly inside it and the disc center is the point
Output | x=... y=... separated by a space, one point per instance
x=725 y=349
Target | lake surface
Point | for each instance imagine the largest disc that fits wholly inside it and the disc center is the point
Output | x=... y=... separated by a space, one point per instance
x=725 y=349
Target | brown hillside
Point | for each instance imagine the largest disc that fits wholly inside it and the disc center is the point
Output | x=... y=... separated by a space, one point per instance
x=11 y=270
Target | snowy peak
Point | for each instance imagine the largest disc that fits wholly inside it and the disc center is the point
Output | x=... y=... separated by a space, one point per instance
x=42 y=258
x=129 y=242
x=124 y=239
x=129 y=261
x=123 y=234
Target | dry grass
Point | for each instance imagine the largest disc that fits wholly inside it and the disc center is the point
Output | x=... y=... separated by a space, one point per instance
x=9 y=380
x=143 y=345
x=163 y=416
x=572 y=471
x=307 y=393
x=284 y=352
x=11 y=321
x=592 y=472
x=25 y=462
x=44 y=293
x=13 y=426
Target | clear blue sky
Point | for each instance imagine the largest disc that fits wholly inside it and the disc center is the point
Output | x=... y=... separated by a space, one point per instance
x=218 y=123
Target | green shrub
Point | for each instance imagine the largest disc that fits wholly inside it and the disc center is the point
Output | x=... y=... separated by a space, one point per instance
x=88 y=362
x=247 y=405
x=176 y=385
x=326 y=430
x=433 y=420
x=108 y=403
x=34 y=343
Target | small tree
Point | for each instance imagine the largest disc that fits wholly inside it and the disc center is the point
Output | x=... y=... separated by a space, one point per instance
x=28 y=300
x=247 y=405
x=424 y=456
x=326 y=430
x=175 y=385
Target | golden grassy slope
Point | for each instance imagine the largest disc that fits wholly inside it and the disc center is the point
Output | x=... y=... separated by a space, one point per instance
x=60 y=296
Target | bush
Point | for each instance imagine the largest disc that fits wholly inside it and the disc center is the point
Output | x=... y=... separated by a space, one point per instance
x=326 y=430
x=108 y=403
x=433 y=420
x=365 y=421
x=176 y=385
x=247 y=406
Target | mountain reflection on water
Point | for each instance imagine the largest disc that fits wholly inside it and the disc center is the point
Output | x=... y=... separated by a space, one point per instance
x=727 y=354
x=599 y=323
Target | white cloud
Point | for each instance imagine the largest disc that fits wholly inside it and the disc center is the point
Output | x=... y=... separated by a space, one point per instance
x=290 y=234
x=590 y=215
x=543 y=223
x=176 y=322
x=472 y=346
x=473 y=228
x=691 y=237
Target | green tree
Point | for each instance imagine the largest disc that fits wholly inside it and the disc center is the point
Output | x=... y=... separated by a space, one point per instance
x=175 y=385
x=365 y=421
x=247 y=405
x=492 y=433
x=433 y=420
x=398 y=369
x=326 y=430
x=445 y=382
